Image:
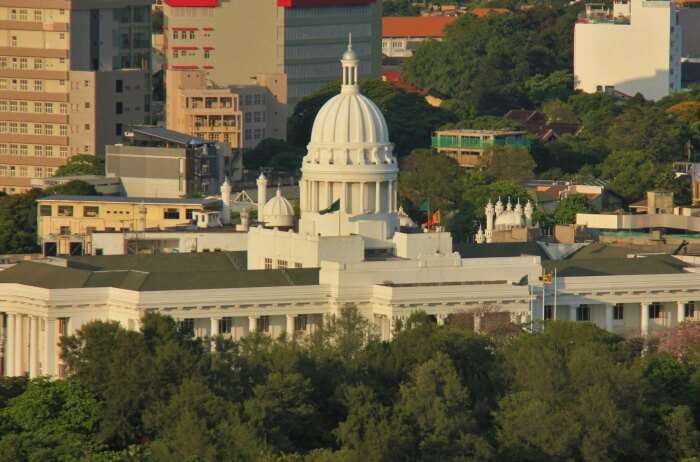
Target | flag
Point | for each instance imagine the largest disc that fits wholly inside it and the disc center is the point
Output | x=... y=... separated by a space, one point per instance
x=433 y=219
x=425 y=206
x=334 y=207
x=547 y=278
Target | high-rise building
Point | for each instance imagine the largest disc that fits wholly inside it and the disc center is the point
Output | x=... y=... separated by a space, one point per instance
x=73 y=74
x=237 y=40
x=633 y=47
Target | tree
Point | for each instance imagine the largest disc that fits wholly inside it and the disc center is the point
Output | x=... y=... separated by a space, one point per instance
x=276 y=154
x=565 y=213
x=400 y=8
x=556 y=86
x=82 y=164
x=688 y=111
x=50 y=421
x=73 y=188
x=559 y=111
x=426 y=175
x=631 y=173
x=683 y=434
x=508 y=163
x=409 y=117
x=18 y=222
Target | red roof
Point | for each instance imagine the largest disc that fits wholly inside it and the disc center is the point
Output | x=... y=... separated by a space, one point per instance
x=192 y=3
x=394 y=78
x=416 y=26
x=483 y=12
x=321 y=3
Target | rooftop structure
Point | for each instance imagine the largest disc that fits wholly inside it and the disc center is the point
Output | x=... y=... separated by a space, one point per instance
x=401 y=35
x=607 y=48
x=536 y=123
x=467 y=146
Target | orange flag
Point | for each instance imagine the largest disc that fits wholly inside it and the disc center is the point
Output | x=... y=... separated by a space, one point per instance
x=433 y=219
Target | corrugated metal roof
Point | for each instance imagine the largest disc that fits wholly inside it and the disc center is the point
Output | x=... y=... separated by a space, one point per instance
x=169 y=135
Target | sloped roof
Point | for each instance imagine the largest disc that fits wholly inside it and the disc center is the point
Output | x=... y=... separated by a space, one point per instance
x=496 y=250
x=483 y=12
x=196 y=271
x=416 y=26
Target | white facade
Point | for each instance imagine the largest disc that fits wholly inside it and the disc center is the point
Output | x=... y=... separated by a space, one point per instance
x=117 y=243
x=635 y=48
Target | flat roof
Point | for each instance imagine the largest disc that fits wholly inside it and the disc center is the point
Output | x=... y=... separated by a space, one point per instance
x=469 y=131
x=168 y=135
x=500 y=250
x=191 y=271
x=416 y=26
x=126 y=200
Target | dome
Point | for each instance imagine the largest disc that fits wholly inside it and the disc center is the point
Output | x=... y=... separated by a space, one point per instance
x=349 y=118
x=278 y=212
x=509 y=219
x=404 y=220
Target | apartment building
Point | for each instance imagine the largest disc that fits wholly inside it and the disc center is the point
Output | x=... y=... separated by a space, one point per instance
x=236 y=40
x=467 y=146
x=73 y=73
x=633 y=47
x=240 y=115
x=402 y=35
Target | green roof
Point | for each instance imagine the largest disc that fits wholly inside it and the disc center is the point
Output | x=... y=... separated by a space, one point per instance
x=196 y=271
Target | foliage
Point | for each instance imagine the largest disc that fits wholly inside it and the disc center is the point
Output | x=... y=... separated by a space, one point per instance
x=73 y=188
x=556 y=86
x=558 y=111
x=633 y=173
x=275 y=154
x=433 y=393
x=83 y=164
x=426 y=175
x=399 y=8
x=409 y=117
x=18 y=222
x=508 y=163
x=565 y=213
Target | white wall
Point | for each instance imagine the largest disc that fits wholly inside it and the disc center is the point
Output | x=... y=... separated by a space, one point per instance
x=642 y=57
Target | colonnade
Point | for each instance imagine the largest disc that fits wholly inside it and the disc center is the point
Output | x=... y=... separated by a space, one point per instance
x=30 y=345
x=318 y=195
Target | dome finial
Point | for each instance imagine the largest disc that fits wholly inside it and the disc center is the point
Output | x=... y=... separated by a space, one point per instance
x=350 y=64
x=350 y=41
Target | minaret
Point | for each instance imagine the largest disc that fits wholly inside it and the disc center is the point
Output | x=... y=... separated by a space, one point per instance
x=262 y=195
x=518 y=208
x=509 y=207
x=350 y=63
x=528 y=214
x=480 y=237
x=226 y=202
x=499 y=207
x=490 y=217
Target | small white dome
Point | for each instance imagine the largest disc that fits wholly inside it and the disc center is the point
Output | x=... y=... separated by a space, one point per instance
x=278 y=212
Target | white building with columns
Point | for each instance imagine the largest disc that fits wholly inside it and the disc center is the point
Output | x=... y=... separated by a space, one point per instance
x=347 y=249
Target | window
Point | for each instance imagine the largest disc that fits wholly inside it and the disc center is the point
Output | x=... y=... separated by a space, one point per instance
x=189 y=213
x=301 y=322
x=38 y=85
x=64 y=108
x=23 y=172
x=38 y=129
x=619 y=312
x=176 y=34
x=262 y=324
x=298 y=265
x=119 y=107
x=48 y=108
x=690 y=310
x=23 y=128
x=207 y=54
x=248 y=117
x=583 y=313
x=87 y=127
x=118 y=129
x=548 y=313
x=282 y=264
x=38 y=64
x=39 y=172
x=187 y=326
x=268 y=263
x=64 y=130
x=257 y=117
x=65 y=210
x=39 y=150
x=655 y=311
x=64 y=151
x=45 y=210
x=3 y=148
x=91 y=211
x=171 y=214
x=65 y=230
x=119 y=86
x=225 y=325
x=38 y=16
x=23 y=150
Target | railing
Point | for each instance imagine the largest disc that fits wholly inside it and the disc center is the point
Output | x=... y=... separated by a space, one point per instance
x=439 y=142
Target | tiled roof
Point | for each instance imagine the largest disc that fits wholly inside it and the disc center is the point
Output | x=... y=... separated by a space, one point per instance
x=416 y=26
x=483 y=12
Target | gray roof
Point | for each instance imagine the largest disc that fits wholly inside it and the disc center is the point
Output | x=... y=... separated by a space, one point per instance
x=129 y=200
x=169 y=135
x=196 y=271
x=500 y=250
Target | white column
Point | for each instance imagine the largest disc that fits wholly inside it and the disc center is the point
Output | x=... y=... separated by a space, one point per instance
x=390 y=197
x=362 y=197
x=252 y=324
x=33 y=347
x=378 y=197
x=609 y=311
x=51 y=351
x=440 y=319
x=19 y=337
x=644 y=319
x=290 y=326
x=214 y=331
x=344 y=197
x=572 y=312
x=10 y=345
x=478 y=318
x=681 y=312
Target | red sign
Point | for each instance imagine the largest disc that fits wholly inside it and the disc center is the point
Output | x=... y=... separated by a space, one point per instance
x=192 y=3
x=321 y=3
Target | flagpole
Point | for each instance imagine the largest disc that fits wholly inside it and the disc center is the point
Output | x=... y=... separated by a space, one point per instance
x=554 y=308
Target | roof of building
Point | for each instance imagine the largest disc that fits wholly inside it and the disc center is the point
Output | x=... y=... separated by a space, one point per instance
x=196 y=271
x=500 y=250
x=126 y=200
x=607 y=260
x=535 y=122
x=416 y=26
x=170 y=136
x=483 y=12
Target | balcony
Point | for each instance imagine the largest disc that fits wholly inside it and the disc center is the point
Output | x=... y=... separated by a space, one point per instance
x=439 y=142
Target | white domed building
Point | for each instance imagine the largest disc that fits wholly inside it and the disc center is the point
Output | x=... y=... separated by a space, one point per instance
x=509 y=224
x=278 y=212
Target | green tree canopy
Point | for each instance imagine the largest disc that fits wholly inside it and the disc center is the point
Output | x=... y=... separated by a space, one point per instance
x=508 y=163
x=83 y=164
x=565 y=213
x=426 y=175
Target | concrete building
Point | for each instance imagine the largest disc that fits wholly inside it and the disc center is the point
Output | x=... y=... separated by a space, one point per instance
x=240 y=115
x=65 y=223
x=467 y=146
x=236 y=40
x=401 y=35
x=156 y=162
x=108 y=186
x=348 y=250
x=635 y=47
x=73 y=74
